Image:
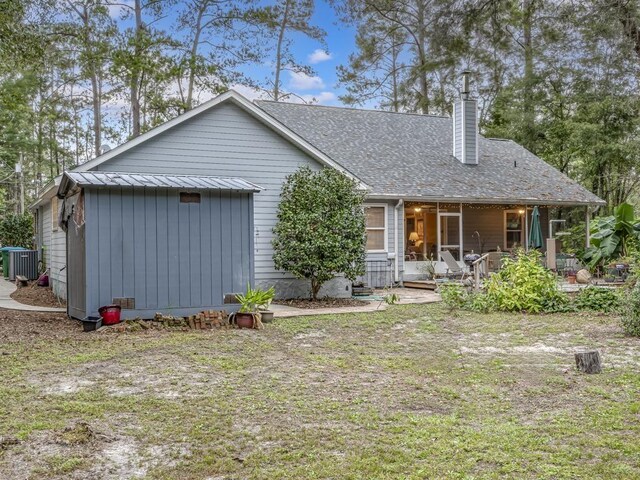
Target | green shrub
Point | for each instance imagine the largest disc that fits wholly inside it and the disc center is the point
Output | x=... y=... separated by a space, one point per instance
x=598 y=300
x=631 y=312
x=17 y=231
x=525 y=285
x=480 y=302
x=454 y=296
x=320 y=232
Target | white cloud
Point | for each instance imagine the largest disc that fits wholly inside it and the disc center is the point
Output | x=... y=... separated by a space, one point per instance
x=249 y=92
x=119 y=7
x=302 y=81
x=319 y=55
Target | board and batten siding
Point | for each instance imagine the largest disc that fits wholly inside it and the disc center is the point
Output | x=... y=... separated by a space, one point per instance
x=169 y=256
x=226 y=141
x=53 y=255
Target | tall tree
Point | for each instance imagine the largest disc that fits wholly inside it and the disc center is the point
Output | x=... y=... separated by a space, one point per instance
x=283 y=18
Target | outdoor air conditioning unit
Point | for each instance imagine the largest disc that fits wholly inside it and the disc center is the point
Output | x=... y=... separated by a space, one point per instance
x=24 y=263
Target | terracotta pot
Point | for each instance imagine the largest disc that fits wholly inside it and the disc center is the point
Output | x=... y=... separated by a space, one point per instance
x=245 y=320
x=571 y=279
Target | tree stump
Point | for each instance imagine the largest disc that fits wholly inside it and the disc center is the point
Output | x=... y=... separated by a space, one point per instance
x=589 y=362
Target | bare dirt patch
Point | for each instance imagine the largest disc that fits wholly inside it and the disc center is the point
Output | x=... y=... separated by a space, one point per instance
x=32 y=294
x=322 y=303
x=22 y=326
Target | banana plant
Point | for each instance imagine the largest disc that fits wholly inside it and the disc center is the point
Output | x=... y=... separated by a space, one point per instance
x=612 y=236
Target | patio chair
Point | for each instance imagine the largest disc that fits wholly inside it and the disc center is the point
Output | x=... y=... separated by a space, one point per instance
x=453 y=269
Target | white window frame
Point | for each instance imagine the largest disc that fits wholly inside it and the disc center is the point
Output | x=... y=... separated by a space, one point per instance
x=523 y=232
x=385 y=228
x=460 y=245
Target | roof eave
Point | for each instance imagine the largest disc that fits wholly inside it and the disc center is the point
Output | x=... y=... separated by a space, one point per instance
x=497 y=201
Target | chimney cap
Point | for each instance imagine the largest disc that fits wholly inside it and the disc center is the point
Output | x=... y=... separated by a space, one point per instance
x=465 y=84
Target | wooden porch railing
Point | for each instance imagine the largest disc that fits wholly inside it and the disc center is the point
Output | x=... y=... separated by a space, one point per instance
x=480 y=263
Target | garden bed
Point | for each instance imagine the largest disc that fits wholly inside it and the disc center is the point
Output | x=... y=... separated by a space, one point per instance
x=321 y=303
x=32 y=294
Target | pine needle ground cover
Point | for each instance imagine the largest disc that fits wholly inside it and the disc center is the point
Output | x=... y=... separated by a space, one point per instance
x=413 y=392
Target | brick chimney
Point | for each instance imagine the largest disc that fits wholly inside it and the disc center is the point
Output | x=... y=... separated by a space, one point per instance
x=465 y=125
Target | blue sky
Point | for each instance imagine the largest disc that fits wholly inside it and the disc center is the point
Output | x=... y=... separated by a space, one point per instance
x=321 y=87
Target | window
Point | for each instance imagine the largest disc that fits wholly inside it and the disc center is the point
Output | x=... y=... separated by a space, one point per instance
x=513 y=228
x=54 y=213
x=189 y=197
x=376 y=218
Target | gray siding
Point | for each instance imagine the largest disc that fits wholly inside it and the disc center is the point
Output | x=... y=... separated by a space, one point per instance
x=465 y=124
x=169 y=256
x=471 y=131
x=53 y=249
x=457 y=122
x=225 y=141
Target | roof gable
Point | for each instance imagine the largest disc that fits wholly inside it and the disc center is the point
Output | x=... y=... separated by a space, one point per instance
x=229 y=97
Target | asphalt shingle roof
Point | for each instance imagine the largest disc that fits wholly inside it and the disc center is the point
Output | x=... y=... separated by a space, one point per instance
x=410 y=156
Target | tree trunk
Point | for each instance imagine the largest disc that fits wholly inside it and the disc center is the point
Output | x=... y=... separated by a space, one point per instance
x=134 y=83
x=283 y=28
x=588 y=362
x=194 y=56
x=315 y=288
x=423 y=100
x=95 y=88
x=528 y=101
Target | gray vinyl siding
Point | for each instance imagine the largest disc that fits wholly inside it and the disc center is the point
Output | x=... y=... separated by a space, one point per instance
x=471 y=131
x=465 y=123
x=225 y=141
x=457 y=119
x=53 y=250
x=178 y=258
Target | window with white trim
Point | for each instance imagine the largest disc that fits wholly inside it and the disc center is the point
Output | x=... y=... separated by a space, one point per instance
x=376 y=221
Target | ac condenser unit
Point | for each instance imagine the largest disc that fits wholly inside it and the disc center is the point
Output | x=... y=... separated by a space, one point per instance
x=23 y=262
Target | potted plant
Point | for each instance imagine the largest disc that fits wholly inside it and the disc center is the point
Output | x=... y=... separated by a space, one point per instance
x=267 y=298
x=251 y=303
x=571 y=276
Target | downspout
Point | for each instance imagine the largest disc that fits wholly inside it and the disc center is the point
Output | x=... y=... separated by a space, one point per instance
x=395 y=240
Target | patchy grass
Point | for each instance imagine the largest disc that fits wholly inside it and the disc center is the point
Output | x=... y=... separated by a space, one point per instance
x=413 y=392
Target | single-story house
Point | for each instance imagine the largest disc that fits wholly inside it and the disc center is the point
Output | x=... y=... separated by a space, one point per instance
x=433 y=184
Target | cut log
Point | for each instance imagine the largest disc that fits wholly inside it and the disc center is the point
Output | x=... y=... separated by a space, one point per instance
x=589 y=362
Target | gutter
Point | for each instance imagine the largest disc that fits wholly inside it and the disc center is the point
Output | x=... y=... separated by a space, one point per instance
x=476 y=200
x=395 y=240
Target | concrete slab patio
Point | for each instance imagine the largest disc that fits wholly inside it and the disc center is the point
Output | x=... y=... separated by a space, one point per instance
x=375 y=303
x=6 y=302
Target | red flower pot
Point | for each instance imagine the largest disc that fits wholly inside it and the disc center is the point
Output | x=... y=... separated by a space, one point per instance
x=110 y=314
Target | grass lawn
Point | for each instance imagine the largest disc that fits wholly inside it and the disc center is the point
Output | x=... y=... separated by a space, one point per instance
x=410 y=393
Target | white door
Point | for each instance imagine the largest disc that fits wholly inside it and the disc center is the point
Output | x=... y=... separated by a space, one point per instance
x=450 y=234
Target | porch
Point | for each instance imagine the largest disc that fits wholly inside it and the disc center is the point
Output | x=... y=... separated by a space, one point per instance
x=462 y=229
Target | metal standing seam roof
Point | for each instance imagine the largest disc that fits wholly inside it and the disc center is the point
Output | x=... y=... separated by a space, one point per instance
x=192 y=182
x=402 y=155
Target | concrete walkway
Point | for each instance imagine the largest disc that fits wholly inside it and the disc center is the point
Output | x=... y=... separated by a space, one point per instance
x=7 y=288
x=407 y=296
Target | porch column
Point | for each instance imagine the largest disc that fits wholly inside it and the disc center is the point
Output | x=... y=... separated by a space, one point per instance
x=526 y=229
x=587 y=223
